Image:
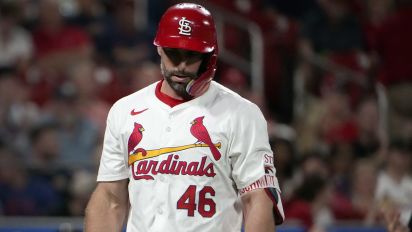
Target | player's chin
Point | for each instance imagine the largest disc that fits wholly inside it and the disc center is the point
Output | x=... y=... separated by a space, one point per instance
x=178 y=87
x=180 y=90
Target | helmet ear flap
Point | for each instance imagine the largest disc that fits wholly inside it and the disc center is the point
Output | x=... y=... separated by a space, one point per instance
x=204 y=64
x=198 y=86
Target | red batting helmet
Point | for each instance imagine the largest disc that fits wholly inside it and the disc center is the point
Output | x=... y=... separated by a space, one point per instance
x=191 y=27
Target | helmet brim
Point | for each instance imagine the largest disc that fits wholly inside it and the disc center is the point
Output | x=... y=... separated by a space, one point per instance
x=186 y=43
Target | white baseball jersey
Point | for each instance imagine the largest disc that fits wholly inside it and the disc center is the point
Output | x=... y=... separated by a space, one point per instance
x=188 y=165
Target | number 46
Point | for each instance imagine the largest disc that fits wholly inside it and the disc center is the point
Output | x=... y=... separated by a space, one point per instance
x=188 y=201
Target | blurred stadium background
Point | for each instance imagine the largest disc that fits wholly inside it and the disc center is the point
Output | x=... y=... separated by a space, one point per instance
x=333 y=78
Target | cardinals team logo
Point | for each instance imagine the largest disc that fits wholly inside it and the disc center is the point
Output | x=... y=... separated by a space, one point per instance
x=184 y=26
x=200 y=132
x=146 y=168
x=134 y=140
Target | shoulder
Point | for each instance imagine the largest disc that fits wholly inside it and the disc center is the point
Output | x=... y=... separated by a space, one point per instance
x=236 y=105
x=225 y=95
x=234 y=108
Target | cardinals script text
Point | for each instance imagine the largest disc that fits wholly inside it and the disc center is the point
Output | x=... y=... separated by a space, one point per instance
x=146 y=169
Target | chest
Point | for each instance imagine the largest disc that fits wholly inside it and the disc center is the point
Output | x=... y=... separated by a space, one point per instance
x=188 y=141
x=157 y=128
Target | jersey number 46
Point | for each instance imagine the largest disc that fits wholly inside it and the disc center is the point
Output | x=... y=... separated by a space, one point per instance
x=206 y=206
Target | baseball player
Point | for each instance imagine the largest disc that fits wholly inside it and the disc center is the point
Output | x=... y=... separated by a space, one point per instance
x=185 y=153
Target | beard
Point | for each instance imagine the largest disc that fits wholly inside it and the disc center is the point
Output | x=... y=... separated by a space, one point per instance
x=178 y=87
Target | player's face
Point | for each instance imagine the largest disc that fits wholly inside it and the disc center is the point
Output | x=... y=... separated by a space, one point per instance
x=178 y=67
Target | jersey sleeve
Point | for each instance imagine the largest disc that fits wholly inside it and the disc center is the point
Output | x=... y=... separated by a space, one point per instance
x=113 y=165
x=252 y=159
x=249 y=147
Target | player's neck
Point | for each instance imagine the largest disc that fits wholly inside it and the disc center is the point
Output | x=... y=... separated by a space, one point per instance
x=166 y=89
x=165 y=97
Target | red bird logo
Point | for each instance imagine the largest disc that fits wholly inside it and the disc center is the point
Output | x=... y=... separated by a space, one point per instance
x=135 y=139
x=200 y=132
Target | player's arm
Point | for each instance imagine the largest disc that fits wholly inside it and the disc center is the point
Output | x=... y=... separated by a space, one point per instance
x=258 y=208
x=108 y=206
